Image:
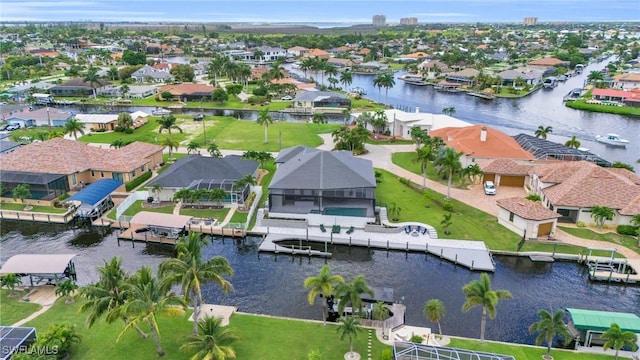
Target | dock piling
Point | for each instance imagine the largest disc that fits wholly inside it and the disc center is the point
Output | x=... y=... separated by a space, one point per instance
x=456 y=261
x=472 y=263
x=441 y=253
x=407 y=247
x=387 y=245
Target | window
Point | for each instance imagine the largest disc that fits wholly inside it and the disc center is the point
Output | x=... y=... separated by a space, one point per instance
x=142 y=168
x=511 y=216
x=101 y=173
x=93 y=173
x=73 y=179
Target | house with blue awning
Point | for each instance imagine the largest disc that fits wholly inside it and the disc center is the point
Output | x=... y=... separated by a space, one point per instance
x=95 y=199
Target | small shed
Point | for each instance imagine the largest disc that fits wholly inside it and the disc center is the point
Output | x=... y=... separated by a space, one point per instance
x=527 y=217
x=95 y=199
x=40 y=267
x=588 y=325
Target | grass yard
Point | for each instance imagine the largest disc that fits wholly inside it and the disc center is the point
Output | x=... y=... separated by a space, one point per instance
x=36 y=208
x=523 y=352
x=239 y=217
x=361 y=105
x=620 y=110
x=218 y=214
x=261 y=337
x=13 y=309
x=146 y=133
x=405 y=161
x=614 y=238
x=136 y=207
x=559 y=248
x=232 y=103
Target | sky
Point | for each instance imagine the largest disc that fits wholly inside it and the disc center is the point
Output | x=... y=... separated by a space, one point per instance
x=317 y=11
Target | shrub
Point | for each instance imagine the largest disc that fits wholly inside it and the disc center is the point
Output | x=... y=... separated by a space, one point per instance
x=416 y=339
x=128 y=131
x=626 y=230
x=447 y=206
x=260 y=91
x=386 y=354
x=256 y=100
x=137 y=181
x=580 y=224
x=100 y=130
x=59 y=337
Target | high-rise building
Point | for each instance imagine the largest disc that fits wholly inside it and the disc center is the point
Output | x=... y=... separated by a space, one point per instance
x=379 y=20
x=530 y=20
x=409 y=21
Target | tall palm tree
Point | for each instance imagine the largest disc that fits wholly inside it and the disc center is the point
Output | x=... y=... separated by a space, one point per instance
x=247 y=179
x=324 y=285
x=573 y=142
x=434 y=311
x=423 y=156
x=386 y=81
x=380 y=312
x=346 y=78
x=349 y=293
x=124 y=90
x=213 y=150
x=170 y=143
x=148 y=298
x=543 y=131
x=548 y=327
x=107 y=294
x=113 y=73
x=92 y=78
x=212 y=342
x=349 y=327
x=156 y=188
x=168 y=122
x=617 y=339
x=73 y=127
x=264 y=119
x=479 y=293
x=190 y=271
x=448 y=163
x=346 y=114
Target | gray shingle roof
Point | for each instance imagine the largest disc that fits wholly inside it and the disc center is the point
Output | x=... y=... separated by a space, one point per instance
x=324 y=170
x=318 y=95
x=196 y=167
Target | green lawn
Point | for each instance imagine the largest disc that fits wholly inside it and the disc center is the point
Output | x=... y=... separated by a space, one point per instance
x=389 y=142
x=405 y=161
x=239 y=217
x=365 y=105
x=13 y=309
x=559 y=248
x=146 y=133
x=136 y=207
x=232 y=103
x=614 y=238
x=261 y=337
x=36 y=208
x=219 y=214
x=620 y=110
x=523 y=352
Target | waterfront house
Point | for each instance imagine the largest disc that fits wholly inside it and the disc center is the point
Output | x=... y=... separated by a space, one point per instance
x=53 y=167
x=464 y=77
x=549 y=62
x=196 y=172
x=530 y=75
x=573 y=188
x=188 y=91
x=627 y=81
x=543 y=149
x=527 y=218
x=297 y=51
x=615 y=97
x=371 y=67
x=432 y=69
x=318 y=54
x=78 y=87
x=45 y=116
x=311 y=181
x=268 y=54
x=147 y=74
x=481 y=142
x=400 y=123
x=309 y=101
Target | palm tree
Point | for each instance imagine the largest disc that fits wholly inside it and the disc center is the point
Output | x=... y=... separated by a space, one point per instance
x=446 y=223
x=349 y=327
x=92 y=78
x=449 y=110
x=171 y=143
x=66 y=288
x=448 y=163
x=601 y=213
x=124 y=90
x=168 y=122
x=107 y=294
x=10 y=281
x=156 y=188
x=349 y=293
x=217 y=195
x=247 y=179
x=21 y=191
x=213 y=150
x=423 y=156
x=543 y=131
x=346 y=114
x=386 y=81
x=264 y=119
x=573 y=142
x=124 y=120
x=479 y=293
x=434 y=311
x=617 y=339
x=346 y=78
x=182 y=195
x=318 y=118
x=190 y=271
x=212 y=342
x=73 y=127
x=595 y=76
x=117 y=143
x=419 y=135
x=380 y=312
x=548 y=327
x=147 y=298
x=324 y=285
x=192 y=146
x=113 y=73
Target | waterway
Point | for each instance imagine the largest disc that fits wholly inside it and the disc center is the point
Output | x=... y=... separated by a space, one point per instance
x=272 y=284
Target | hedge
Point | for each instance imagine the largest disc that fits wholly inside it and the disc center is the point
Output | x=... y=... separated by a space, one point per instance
x=626 y=230
x=135 y=182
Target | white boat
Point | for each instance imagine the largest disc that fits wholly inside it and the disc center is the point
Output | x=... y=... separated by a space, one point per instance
x=413 y=79
x=359 y=90
x=161 y=112
x=550 y=82
x=612 y=140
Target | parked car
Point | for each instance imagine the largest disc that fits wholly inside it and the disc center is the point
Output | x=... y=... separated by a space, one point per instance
x=13 y=127
x=198 y=117
x=489 y=188
x=4 y=127
x=286 y=98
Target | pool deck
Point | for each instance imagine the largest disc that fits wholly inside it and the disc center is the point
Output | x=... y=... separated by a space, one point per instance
x=471 y=254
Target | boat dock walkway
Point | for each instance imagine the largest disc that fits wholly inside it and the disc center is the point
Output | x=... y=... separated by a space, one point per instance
x=471 y=254
x=616 y=270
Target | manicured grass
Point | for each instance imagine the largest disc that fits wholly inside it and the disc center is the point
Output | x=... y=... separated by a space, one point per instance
x=614 y=238
x=405 y=161
x=239 y=217
x=468 y=223
x=136 y=207
x=232 y=103
x=620 y=110
x=261 y=337
x=36 y=208
x=218 y=214
x=365 y=105
x=559 y=248
x=389 y=142
x=146 y=133
x=13 y=309
x=522 y=352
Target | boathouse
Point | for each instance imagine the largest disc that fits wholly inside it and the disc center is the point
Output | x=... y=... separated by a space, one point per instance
x=587 y=325
x=41 y=267
x=95 y=199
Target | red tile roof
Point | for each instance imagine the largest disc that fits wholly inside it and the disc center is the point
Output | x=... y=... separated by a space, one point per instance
x=505 y=167
x=547 y=62
x=467 y=140
x=612 y=93
x=585 y=184
x=527 y=209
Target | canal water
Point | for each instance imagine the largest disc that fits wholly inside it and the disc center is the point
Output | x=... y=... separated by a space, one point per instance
x=272 y=284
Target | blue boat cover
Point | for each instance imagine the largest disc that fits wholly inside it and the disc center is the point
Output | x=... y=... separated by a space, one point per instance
x=95 y=192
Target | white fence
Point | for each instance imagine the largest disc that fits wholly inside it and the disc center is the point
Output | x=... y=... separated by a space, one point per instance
x=138 y=195
x=254 y=205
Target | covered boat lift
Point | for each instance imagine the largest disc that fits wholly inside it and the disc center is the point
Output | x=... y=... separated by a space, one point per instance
x=587 y=325
x=95 y=199
x=39 y=267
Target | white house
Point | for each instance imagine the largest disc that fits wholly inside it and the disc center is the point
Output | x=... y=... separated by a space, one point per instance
x=400 y=123
x=527 y=218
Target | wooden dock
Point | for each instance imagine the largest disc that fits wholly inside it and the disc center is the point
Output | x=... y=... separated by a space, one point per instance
x=129 y=232
x=615 y=270
x=541 y=258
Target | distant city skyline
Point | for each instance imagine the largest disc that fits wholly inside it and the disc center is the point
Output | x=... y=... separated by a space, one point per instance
x=317 y=11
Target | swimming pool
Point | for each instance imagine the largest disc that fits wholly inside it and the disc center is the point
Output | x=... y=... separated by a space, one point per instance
x=338 y=211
